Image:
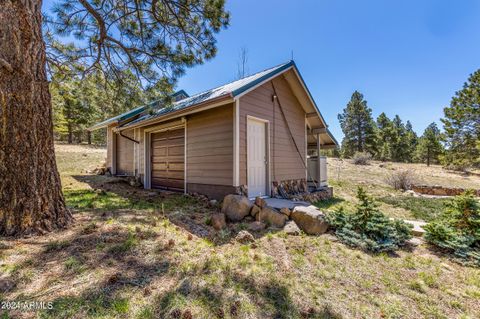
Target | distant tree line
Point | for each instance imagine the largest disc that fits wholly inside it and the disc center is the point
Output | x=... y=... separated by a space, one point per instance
x=385 y=139
x=79 y=102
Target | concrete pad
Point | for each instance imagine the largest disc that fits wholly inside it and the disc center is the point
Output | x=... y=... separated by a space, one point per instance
x=279 y=203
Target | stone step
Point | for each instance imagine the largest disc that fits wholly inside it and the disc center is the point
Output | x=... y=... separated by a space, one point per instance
x=417 y=230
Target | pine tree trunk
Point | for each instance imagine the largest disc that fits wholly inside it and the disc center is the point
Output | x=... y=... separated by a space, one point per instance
x=70 y=134
x=31 y=199
x=89 y=137
x=428 y=156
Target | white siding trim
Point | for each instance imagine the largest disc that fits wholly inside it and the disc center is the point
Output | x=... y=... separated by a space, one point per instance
x=135 y=149
x=146 y=161
x=114 y=152
x=236 y=143
x=306 y=148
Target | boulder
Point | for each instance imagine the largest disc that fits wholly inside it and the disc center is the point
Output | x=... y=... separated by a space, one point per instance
x=260 y=202
x=218 y=221
x=285 y=211
x=272 y=217
x=256 y=226
x=244 y=237
x=255 y=210
x=291 y=228
x=310 y=220
x=236 y=207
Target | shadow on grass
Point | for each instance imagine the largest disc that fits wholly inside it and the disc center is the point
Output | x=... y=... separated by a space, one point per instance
x=272 y=297
x=75 y=263
x=113 y=198
x=109 y=195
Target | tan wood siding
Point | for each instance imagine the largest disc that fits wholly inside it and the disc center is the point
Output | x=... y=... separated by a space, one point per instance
x=285 y=162
x=124 y=154
x=210 y=146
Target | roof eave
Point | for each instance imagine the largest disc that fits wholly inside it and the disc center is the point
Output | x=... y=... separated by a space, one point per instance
x=101 y=125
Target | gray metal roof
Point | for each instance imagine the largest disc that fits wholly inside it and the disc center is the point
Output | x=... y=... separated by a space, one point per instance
x=233 y=89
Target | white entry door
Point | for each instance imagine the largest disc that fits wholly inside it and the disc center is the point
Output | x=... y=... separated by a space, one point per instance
x=256 y=158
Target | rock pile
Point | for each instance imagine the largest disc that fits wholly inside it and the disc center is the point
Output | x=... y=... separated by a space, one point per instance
x=238 y=208
x=298 y=190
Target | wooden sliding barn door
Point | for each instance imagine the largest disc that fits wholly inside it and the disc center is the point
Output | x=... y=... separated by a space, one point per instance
x=168 y=159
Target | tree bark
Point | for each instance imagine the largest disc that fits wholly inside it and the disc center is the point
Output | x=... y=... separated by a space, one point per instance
x=70 y=133
x=428 y=156
x=31 y=199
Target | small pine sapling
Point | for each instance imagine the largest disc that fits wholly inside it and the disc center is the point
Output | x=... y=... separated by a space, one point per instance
x=458 y=229
x=368 y=228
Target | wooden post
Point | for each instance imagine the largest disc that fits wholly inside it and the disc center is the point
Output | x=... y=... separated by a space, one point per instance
x=318 y=161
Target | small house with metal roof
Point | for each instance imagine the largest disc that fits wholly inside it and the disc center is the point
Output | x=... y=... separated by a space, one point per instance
x=242 y=137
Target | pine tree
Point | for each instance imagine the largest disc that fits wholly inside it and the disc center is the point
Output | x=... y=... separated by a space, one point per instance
x=411 y=141
x=399 y=143
x=156 y=39
x=384 y=137
x=429 y=147
x=462 y=125
x=357 y=126
x=75 y=113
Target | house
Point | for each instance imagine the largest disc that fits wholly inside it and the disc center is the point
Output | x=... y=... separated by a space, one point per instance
x=244 y=136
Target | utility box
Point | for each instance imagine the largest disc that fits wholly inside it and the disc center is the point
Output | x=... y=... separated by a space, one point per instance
x=317 y=171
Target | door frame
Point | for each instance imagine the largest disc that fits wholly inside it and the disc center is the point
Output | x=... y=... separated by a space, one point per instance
x=267 y=150
x=147 y=148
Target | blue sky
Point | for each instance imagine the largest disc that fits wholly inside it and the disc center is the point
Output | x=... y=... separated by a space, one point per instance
x=407 y=57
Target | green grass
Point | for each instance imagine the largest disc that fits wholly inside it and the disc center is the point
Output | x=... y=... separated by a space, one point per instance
x=330 y=203
x=420 y=207
x=168 y=276
x=89 y=199
x=128 y=244
x=107 y=201
x=92 y=305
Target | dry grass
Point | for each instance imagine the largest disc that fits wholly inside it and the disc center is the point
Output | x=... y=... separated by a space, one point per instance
x=345 y=177
x=125 y=257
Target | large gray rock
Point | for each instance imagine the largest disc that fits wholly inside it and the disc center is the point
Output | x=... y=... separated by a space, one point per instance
x=236 y=207
x=272 y=217
x=310 y=220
